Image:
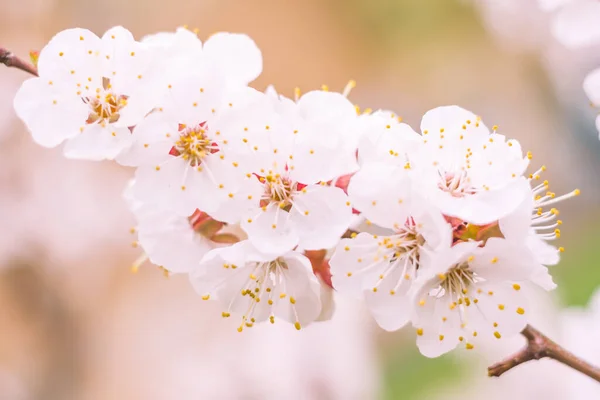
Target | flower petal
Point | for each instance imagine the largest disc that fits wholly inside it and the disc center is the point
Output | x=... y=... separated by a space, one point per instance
x=98 y=143
x=321 y=215
x=50 y=115
x=236 y=55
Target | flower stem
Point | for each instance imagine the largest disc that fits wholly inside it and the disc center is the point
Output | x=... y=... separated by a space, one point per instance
x=10 y=60
x=540 y=346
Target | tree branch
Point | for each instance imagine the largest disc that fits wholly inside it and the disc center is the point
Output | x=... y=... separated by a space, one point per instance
x=540 y=346
x=10 y=60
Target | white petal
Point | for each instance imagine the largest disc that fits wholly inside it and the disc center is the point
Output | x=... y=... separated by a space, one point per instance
x=98 y=143
x=211 y=277
x=318 y=158
x=321 y=106
x=194 y=97
x=450 y=120
x=541 y=277
x=503 y=260
x=71 y=56
x=51 y=116
x=386 y=142
x=170 y=241
x=544 y=253
x=245 y=198
x=505 y=306
x=576 y=25
x=321 y=215
x=301 y=284
x=271 y=231
x=391 y=311
x=151 y=145
x=162 y=186
x=383 y=193
x=438 y=329
x=486 y=206
x=516 y=225
x=351 y=265
x=236 y=55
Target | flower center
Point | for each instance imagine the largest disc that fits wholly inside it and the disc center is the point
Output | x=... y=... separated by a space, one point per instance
x=458 y=184
x=400 y=251
x=193 y=144
x=278 y=190
x=266 y=283
x=457 y=281
x=104 y=105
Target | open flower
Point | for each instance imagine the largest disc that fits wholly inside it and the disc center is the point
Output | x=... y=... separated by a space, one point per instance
x=284 y=201
x=471 y=293
x=89 y=92
x=466 y=171
x=258 y=286
x=382 y=268
x=179 y=148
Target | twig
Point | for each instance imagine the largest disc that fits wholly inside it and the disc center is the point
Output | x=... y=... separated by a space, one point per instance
x=538 y=347
x=10 y=60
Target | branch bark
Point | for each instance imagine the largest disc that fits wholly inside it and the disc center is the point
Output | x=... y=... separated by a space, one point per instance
x=10 y=60
x=540 y=346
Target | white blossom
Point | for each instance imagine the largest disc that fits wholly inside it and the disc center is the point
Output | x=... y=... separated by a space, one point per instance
x=466 y=171
x=89 y=92
x=179 y=149
x=471 y=293
x=382 y=268
x=576 y=23
x=259 y=287
x=285 y=201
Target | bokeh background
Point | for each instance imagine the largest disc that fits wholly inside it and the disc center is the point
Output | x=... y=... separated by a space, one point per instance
x=76 y=323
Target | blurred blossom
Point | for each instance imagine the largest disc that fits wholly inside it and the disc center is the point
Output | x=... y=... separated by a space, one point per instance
x=577 y=24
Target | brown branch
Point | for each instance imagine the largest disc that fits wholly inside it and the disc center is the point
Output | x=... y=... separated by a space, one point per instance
x=10 y=60
x=540 y=346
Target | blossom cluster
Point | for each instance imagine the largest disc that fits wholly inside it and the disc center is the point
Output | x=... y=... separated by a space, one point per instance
x=442 y=229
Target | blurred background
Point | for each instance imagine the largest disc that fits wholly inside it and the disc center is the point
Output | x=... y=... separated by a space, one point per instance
x=76 y=323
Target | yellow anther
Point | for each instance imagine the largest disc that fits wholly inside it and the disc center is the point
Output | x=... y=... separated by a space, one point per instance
x=292 y=300
x=516 y=286
x=420 y=331
x=520 y=311
x=225 y=314
x=469 y=346
x=500 y=307
x=297 y=325
x=206 y=297
x=441 y=337
x=497 y=334
x=282 y=295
